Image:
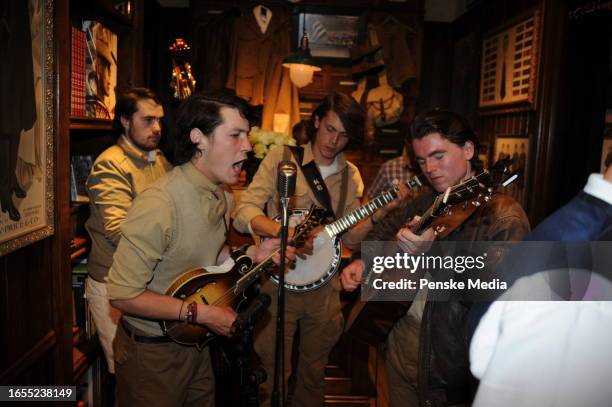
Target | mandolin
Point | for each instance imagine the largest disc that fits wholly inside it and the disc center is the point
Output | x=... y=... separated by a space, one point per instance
x=223 y=289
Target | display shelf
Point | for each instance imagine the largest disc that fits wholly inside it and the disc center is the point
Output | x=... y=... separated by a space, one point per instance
x=89 y=123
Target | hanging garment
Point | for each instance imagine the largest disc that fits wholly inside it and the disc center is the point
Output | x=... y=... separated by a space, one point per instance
x=384 y=105
x=398 y=56
x=256 y=71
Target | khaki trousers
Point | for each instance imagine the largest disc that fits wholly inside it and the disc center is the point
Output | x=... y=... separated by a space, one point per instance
x=402 y=362
x=162 y=374
x=321 y=323
x=105 y=316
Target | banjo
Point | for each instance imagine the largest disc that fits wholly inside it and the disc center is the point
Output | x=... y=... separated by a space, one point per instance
x=317 y=269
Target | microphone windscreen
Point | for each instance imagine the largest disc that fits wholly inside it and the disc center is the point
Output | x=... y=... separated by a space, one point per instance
x=287 y=174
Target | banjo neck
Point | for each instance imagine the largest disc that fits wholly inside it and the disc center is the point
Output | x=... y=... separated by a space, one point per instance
x=349 y=220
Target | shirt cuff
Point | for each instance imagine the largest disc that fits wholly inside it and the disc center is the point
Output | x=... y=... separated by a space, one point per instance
x=223 y=267
x=121 y=292
x=598 y=187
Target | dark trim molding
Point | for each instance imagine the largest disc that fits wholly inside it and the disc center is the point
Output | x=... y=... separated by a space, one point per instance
x=543 y=174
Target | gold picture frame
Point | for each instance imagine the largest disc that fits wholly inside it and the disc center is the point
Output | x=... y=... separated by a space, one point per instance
x=510 y=58
x=28 y=212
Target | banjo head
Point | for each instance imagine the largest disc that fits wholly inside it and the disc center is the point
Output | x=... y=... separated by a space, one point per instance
x=318 y=268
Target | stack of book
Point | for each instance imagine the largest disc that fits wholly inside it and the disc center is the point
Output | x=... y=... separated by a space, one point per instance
x=77 y=78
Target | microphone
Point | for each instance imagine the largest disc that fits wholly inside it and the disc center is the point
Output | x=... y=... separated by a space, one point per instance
x=287 y=173
x=250 y=315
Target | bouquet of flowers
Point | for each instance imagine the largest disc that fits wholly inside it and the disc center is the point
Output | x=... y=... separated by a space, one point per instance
x=264 y=141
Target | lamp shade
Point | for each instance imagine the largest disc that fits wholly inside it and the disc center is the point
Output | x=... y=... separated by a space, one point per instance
x=301 y=75
x=301 y=67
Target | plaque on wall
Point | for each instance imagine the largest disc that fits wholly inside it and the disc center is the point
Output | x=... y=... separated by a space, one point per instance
x=509 y=64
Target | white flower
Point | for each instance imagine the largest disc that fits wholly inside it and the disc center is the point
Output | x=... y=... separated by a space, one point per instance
x=264 y=141
x=260 y=150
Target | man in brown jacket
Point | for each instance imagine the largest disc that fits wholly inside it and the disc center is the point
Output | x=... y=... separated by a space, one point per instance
x=427 y=354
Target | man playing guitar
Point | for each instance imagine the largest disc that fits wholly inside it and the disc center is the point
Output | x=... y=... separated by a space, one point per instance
x=446 y=150
x=337 y=121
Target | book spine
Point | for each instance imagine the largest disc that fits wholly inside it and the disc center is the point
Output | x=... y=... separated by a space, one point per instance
x=77 y=94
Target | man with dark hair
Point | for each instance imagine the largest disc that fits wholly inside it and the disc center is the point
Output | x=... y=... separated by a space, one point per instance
x=118 y=175
x=446 y=150
x=179 y=224
x=338 y=121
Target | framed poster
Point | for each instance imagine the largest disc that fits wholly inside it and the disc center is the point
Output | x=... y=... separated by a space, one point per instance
x=517 y=149
x=100 y=70
x=27 y=121
x=509 y=64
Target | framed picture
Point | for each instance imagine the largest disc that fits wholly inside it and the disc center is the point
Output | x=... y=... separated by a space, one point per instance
x=100 y=70
x=330 y=36
x=26 y=152
x=509 y=64
x=517 y=149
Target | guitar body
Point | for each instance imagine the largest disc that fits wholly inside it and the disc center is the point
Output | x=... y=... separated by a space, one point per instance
x=317 y=269
x=203 y=287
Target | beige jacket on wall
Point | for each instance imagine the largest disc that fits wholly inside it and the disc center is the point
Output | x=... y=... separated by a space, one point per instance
x=256 y=71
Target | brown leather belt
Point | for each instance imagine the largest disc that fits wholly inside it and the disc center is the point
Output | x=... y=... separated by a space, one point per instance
x=131 y=332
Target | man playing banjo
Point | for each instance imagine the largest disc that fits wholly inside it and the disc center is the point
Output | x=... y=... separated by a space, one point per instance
x=326 y=179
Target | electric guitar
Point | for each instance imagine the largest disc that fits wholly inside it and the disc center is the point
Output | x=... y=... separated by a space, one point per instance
x=372 y=321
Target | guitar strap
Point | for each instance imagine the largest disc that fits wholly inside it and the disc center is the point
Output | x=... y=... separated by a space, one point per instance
x=316 y=183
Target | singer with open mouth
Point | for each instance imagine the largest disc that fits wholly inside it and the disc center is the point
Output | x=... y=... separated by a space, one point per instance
x=177 y=224
x=327 y=179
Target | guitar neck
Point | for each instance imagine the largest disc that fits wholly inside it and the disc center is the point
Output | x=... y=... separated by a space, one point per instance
x=341 y=225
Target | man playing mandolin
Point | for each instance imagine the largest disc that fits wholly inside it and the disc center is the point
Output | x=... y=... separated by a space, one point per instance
x=446 y=150
x=337 y=121
x=177 y=225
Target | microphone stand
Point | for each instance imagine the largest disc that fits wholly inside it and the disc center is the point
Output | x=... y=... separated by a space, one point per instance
x=278 y=399
x=249 y=378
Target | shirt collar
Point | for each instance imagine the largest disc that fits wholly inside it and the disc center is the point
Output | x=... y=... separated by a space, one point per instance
x=131 y=150
x=598 y=187
x=309 y=156
x=199 y=180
